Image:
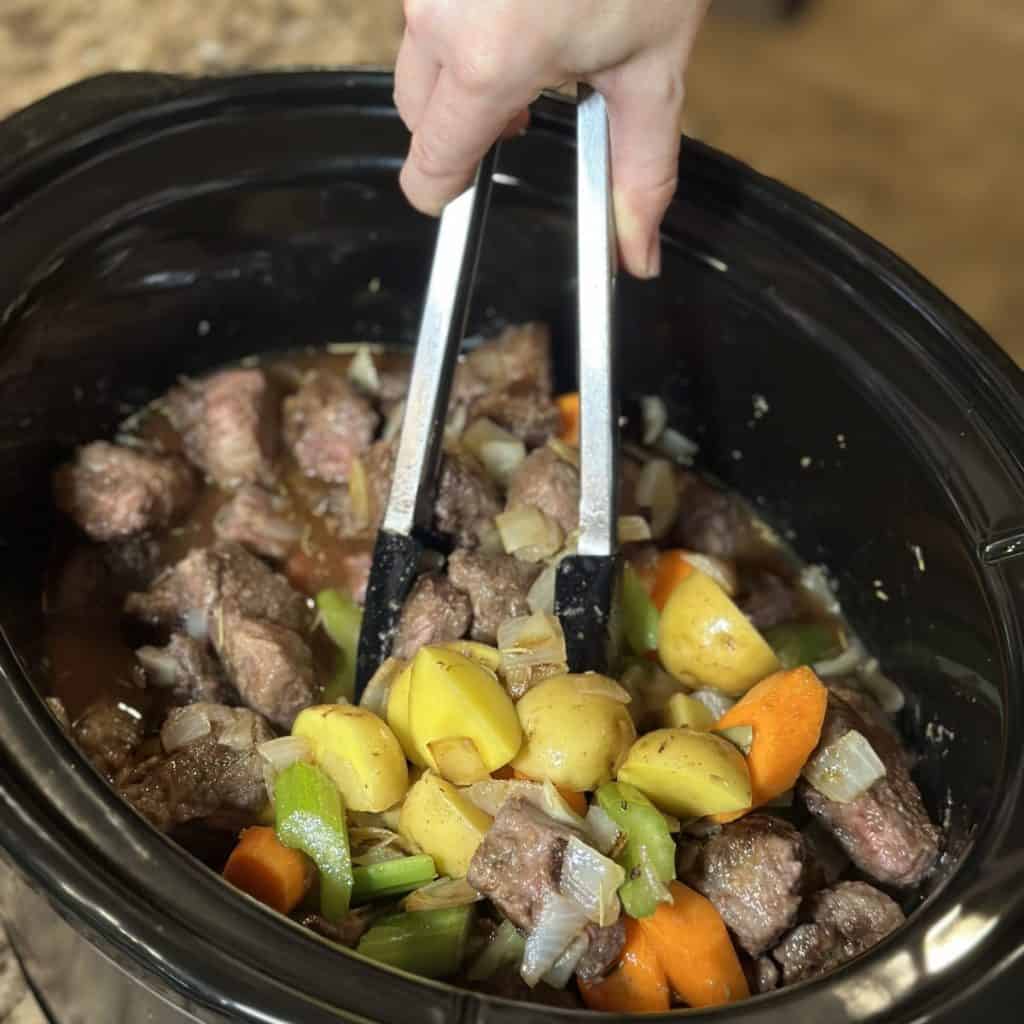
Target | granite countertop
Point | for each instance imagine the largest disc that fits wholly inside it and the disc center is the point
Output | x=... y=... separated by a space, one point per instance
x=903 y=117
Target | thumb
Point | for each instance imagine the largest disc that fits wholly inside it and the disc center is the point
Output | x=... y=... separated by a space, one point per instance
x=645 y=106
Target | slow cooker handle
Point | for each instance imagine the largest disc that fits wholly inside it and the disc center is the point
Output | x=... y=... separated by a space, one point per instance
x=70 y=111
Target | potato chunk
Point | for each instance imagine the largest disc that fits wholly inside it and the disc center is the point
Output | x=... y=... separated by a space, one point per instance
x=578 y=730
x=358 y=751
x=703 y=637
x=443 y=823
x=688 y=773
x=685 y=712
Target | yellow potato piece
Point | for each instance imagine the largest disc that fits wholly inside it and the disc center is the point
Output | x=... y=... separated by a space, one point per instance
x=688 y=773
x=704 y=636
x=453 y=696
x=398 y=716
x=685 y=712
x=489 y=657
x=458 y=760
x=577 y=730
x=358 y=751
x=443 y=823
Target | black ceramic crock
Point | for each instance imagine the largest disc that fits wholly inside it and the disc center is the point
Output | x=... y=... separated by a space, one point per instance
x=151 y=226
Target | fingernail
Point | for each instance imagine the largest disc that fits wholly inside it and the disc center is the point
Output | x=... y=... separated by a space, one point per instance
x=653 y=265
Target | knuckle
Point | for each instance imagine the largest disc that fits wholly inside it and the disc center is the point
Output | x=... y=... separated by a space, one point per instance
x=479 y=73
x=427 y=153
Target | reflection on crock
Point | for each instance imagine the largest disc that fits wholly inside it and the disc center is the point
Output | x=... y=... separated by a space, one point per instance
x=869 y=993
x=954 y=936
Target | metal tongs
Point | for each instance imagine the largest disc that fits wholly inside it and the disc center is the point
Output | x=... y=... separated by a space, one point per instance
x=587 y=582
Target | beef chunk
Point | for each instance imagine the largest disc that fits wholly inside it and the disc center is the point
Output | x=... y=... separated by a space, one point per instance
x=326 y=424
x=133 y=562
x=519 y=863
x=219 y=580
x=886 y=831
x=258 y=519
x=346 y=932
x=764 y=977
x=109 y=733
x=347 y=516
x=845 y=922
x=434 y=613
x=715 y=522
x=549 y=483
x=769 y=600
x=520 y=355
x=467 y=501
x=270 y=665
x=497 y=586
x=229 y=425
x=217 y=778
x=752 y=871
x=603 y=952
x=826 y=860
x=186 y=668
x=533 y=417
x=112 y=491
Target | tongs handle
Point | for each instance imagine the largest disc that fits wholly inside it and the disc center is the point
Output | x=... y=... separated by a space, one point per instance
x=442 y=326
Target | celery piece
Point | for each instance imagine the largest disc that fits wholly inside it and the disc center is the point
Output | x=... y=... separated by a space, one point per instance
x=505 y=949
x=802 y=643
x=310 y=817
x=639 y=614
x=391 y=877
x=342 y=618
x=431 y=943
x=647 y=839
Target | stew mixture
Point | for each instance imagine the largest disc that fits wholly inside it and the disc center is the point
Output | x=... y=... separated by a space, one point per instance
x=733 y=812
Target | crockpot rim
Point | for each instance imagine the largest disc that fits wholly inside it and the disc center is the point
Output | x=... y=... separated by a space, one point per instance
x=25 y=707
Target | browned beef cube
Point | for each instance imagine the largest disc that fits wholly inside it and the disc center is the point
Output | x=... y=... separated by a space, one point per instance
x=351 y=521
x=886 y=831
x=212 y=582
x=520 y=355
x=533 y=417
x=112 y=491
x=769 y=600
x=603 y=952
x=217 y=778
x=715 y=522
x=467 y=501
x=549 y=483
x=845 y=922
x=765 y=975
x=327 y=423
x=497 y=586
x=186 y=668
x=270 y=666
x=434 y=613
x=519 y=863
x=259 y=520
x=229 y=425
x=109 y=733
x=752 y=871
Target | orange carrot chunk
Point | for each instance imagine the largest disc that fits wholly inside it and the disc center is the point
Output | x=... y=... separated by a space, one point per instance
x=268 y=870
x=785 y=712
x=672 y=569
x=693 y=946
x=569 y=417
x=636 y=985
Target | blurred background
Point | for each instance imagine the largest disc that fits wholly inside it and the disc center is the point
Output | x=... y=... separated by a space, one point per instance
x=906 y=117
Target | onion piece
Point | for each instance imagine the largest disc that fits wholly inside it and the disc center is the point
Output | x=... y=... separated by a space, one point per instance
x=844 y=663
x=362 y=371
x=541 y=596
x=532 y=648
x=359 y=495
x=559 y=921
x=845 y=769
x=566 y=452
x=528 y=533
x=393 y=424
x=442 y=894
x=490 y=794
x=592 y=880
x=378 y=689
x=657 y=490
x=815 y=580
x=562 y=969
x=655 y=417
x=505 y=949
x=714 y=700
x=184 y=726
x=633 y=530
x=721 y=571
x=888 y=695
x=601 y=829
x=280 y=753
x=740 y=736
x=498 y=451
x=677 y=447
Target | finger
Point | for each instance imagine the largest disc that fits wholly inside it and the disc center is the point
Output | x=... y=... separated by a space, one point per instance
x=518 y=125
x=415 y=77
x=645 y=106
x=454 y=132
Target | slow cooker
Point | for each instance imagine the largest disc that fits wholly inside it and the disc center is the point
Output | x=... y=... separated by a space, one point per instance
x=152 y=226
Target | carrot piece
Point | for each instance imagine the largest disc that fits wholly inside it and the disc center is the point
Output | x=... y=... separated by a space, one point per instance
x=636 y=985
x=269 y=871
x=691 y=941
x=576 y=800
x=785 y=712
x=569 y=417
x=672 y=569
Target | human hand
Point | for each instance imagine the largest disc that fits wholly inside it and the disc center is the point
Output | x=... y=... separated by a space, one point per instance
x=467 y=70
